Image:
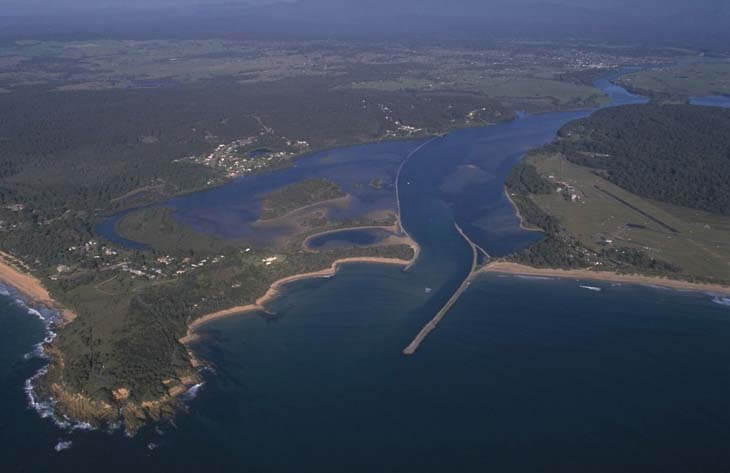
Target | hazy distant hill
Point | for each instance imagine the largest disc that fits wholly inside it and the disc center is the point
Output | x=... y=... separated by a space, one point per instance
x=701 y=23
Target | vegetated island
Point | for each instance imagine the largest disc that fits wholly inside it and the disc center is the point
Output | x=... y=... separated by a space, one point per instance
x=634 y=194
x=298 y=196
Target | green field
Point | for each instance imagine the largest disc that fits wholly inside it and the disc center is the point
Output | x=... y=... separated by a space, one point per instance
x=542 y=86
x=679 y=82
x=157 y=228
x=700 y=246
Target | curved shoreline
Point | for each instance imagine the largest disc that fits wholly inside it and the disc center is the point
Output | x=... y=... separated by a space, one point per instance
x=504 y=267
x=523 y=225
x=30 y=286
x=275 y=289
x=398 y=233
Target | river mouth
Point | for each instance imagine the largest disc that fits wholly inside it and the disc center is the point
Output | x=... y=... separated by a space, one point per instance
x=448 y=193
x=522 y=374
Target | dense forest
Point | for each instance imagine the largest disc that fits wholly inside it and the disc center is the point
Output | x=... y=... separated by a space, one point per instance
x=678 y=154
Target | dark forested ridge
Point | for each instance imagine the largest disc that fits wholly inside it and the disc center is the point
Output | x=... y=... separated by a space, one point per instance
x=678 y=154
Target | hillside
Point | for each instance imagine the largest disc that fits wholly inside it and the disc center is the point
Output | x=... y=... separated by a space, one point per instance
x=678 y=154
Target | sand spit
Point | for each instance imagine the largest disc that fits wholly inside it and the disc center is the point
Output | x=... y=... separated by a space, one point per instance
x=398 y=237
x=519 y=269
x=275 y=289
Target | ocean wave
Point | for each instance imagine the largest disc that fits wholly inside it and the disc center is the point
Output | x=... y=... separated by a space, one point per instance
x=112 y=427
x=722 y=300
x=4 y=291
x=63 y=445
x=591 y=288
x=46 y=409
x=533 y=278
x=192 y=392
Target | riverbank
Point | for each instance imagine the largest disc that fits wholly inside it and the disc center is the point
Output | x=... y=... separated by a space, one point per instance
x=275 y=289
x=14 y=273
x=523 y=224
x=523 y=270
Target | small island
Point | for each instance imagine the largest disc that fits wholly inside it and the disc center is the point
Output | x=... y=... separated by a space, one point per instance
x=299 y=195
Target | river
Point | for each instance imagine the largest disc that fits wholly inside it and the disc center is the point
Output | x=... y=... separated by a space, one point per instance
x=523 y=374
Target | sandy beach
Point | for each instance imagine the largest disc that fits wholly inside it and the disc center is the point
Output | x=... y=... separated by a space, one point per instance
x=13 y=273
x=518 y=269
x=399 y=237
x=274 y=289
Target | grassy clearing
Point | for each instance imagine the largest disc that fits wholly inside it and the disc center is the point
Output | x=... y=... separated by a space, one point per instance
x=701 y=245
x=697 y=79
x=541 y=86
x=528 y=87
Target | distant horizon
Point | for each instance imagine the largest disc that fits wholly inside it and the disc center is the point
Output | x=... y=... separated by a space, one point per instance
x=672 y=22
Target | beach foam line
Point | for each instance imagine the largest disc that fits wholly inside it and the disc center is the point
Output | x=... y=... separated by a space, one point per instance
x=591 y=288
x=721 y=300
x=44 y=408
x=276 y=287
x=192 y=392
x=515 y=269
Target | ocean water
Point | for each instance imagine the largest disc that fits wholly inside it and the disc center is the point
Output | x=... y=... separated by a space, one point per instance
x=523 y=374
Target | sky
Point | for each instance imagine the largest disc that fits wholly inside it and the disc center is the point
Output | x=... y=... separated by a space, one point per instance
x=439 y=7
x=633 y=20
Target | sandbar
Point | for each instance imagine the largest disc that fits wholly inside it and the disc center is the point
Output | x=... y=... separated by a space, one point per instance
x=274 y=291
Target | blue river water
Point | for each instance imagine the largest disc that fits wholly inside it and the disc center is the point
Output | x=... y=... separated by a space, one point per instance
x=712 y=101
x=523 y=374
